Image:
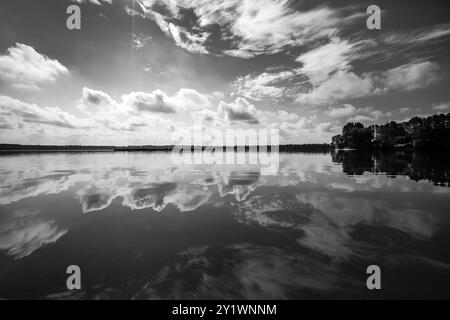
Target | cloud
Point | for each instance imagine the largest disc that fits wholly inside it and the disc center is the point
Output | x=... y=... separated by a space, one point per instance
x=345 y=111
x=326 y=75
x=329 y=72
x=138 y=110
x=267 y=26
x=190 y=99
x=191 y=42
x=345 y=84
x=444 y=106
x=239 y=111
x=148 y=102
x=24 y=67
x=341 y=85
x=150 y=114
x=141 y=117
x=411 y=76
x=413 y=42
x=6 y=126
x=404 y=110
x=22 y=113
x=424 y=34
x=246 y=27
x=157 y=101
x=368 y=115
x=326 y=70
x=92 y=101
x=139 y=41
x=319 y=63
x=352 y=114
x=265 y=85
x=306 y=130
x=96 y=2
x=206 y=116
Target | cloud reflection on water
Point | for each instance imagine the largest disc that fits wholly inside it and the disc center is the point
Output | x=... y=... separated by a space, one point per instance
x=311 y=201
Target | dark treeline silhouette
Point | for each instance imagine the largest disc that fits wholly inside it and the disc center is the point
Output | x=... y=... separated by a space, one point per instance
x=282 y=148
x=324 y=147
x=145 y=148
x=23 y=147
x=420 y=133
x=417 y=165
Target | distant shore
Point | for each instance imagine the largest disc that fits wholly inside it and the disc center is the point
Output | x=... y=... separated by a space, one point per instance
x=19 y=148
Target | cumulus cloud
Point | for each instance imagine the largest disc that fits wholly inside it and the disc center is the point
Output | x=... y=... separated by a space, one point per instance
x=106 y=112
x=137 y=110
x=239 y=111
x=346 y=84
x=242 y=112
x=148 y=102
x=367 y=115
x=411 y=76
x=353 y=114
x=306 y=130
x=325 y=69
x=102 y=116
x=23 y=67
x=206 y=116
x=20 y=112
x=329 y=72
x=341 y=85
x=265 y=85
x=325 y=74
x=143 y=116
x=93 y=101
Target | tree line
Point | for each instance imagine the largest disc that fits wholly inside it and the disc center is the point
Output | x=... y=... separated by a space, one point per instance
x=415 y=164
x=420 y=133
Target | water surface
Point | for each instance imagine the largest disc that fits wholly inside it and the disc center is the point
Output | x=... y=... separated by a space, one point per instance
x=141 y=227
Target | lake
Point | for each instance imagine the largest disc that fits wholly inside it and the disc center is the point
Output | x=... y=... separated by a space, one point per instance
x=140 y=227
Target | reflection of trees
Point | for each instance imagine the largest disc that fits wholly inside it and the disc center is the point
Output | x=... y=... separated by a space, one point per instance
x=416 y=165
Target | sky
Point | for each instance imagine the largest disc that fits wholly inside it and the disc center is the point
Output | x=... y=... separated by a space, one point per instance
x=139 y=72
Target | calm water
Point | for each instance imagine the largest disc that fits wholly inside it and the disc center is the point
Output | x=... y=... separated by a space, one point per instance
x=141 y=227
